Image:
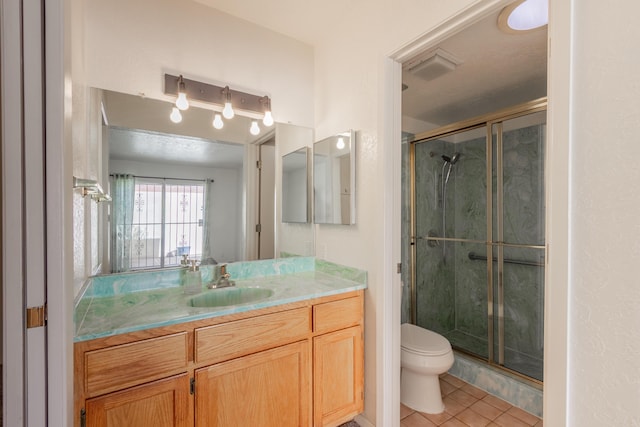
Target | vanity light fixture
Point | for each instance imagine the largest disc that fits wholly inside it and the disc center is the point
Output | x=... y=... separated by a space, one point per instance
x=175 y=115
x=524 y=15
x=217 y=121
x=182 y=102
x=226 y=104
x=254 y=129
x=340 y=143
x=227 y=111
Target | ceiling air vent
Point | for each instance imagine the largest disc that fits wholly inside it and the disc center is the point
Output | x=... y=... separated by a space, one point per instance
x=432 y=64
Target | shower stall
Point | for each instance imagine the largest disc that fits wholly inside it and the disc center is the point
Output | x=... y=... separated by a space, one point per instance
x=477 y=236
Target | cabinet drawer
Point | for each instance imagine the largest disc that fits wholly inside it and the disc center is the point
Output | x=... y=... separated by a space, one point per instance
x=222 y=342
x=126 y=365
x=335 y=315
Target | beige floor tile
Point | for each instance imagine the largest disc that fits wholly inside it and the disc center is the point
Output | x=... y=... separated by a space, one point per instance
x=462 y=397
x=454 y=423
x=472 y=419
x=486 y=410
x=498 y=403
x=437 y=419
x=523 y=415
x=473 y=391
x=506 y=420
x=417 y=420
x=405 y=411
x=446 y=388
x=452 y=407
x=453 y=380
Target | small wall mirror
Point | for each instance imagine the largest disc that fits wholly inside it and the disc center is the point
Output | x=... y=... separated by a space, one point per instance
x=295 y=201
x=334 y=179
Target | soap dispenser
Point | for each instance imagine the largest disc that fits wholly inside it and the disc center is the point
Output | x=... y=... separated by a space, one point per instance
x=193 y=279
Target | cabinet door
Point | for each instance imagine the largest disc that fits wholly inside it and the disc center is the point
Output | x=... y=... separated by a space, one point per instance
x=162 y=403
x=338 y=376
x=269 y=388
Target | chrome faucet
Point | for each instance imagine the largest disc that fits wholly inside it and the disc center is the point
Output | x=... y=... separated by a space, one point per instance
x=223 y=279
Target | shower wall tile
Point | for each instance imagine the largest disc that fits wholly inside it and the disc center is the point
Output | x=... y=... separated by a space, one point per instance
x=468 y=208
x=523 y=158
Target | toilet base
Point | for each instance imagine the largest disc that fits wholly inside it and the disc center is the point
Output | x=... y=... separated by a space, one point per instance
x=421 y=392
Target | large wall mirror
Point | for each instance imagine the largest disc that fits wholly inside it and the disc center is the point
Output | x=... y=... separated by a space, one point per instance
x=334 y=179
x=295 y=182
x=180 y=188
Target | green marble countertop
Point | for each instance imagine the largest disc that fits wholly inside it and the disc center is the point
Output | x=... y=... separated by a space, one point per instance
x=100 y=315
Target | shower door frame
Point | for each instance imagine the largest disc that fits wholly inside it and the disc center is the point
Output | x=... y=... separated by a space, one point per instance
x=488 y=121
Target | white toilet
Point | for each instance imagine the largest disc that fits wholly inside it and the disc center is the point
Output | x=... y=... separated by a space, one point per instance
x=424 y=355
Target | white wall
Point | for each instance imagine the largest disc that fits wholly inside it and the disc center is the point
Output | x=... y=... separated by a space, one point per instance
x=604 y=290
x=290 y=237
x=349 y=94
x=131 y=44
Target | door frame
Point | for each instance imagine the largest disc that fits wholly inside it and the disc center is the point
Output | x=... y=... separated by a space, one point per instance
x=557 y=170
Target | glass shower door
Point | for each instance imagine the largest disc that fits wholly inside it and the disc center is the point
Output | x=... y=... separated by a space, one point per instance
x=450 y=215
x=518 y=243
x=477 y=221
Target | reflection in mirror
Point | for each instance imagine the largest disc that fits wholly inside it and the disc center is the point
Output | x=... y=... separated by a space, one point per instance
x=179 y=188
x=295 y=181
x=334 y=179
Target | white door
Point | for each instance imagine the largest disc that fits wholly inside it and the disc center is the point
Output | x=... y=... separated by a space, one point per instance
x=266 y=208
x=23 y=213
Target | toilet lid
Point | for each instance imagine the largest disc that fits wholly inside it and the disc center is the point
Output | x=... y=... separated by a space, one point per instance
x=423 y=341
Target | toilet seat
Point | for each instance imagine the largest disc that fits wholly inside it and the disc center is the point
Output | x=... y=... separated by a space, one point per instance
x=417 y=340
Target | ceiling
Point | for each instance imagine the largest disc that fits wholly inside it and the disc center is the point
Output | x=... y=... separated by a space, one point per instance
x=140 y=130
x=496 y=70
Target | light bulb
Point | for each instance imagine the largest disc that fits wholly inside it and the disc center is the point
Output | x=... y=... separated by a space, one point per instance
x=182 y=102
x=227 y=111
x=175 y=116
x=267 y=120
x=254 y=129
x=217 y=121
x=340 y=143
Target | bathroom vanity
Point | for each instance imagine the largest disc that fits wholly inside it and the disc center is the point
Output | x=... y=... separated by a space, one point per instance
x=294 y=361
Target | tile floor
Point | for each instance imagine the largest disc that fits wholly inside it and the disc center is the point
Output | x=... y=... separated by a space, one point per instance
x=468 y=406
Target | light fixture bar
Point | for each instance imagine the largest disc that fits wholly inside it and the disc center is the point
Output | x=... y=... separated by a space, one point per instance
x=205 y=92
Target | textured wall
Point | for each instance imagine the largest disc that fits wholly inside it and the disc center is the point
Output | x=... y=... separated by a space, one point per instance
x=604 y=290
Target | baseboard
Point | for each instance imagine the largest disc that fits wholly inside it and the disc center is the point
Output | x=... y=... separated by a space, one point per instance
x=363 y=421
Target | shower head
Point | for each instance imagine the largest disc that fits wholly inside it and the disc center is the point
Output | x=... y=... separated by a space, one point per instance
x=451 y=160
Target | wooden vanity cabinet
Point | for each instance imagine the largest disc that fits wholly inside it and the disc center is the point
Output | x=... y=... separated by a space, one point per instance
x=269 y=388
x=338 y=361
x=294 y=365
x=161 y=403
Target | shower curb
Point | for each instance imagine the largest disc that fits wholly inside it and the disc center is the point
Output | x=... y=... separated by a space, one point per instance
x=509 y=389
